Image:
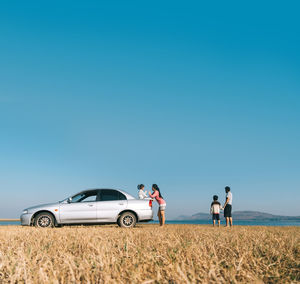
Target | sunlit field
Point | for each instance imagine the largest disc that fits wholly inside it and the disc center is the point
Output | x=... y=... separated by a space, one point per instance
x=149 y=254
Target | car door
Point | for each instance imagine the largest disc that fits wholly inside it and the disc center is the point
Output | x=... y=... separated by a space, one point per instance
x=81 y=208
x=110 y=204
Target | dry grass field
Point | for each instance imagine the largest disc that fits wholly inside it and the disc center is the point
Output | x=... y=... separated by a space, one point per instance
x=149 y=254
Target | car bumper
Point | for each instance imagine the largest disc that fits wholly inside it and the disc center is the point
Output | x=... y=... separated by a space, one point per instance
x=145 y=215
x=26 y=219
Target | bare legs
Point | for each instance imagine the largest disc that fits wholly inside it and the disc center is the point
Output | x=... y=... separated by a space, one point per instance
x=214 y=222
x=161 y=217
x=228 y=220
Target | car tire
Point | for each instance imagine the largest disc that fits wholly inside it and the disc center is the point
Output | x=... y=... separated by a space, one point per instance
x=127 y=220
x=44 y=220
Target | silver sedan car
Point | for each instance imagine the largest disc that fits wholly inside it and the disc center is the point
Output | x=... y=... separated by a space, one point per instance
x=91 y=207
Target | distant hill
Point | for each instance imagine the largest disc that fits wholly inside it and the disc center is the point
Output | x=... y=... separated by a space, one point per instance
x=242 y=215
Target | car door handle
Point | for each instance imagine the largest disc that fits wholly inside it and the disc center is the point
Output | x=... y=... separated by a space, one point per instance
x=121 y=203
x=91 y=205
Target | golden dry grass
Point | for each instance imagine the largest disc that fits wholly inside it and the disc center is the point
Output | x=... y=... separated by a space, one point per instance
x=149 y=254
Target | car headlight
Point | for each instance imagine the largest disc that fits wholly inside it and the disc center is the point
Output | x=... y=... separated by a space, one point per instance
x=25 y=211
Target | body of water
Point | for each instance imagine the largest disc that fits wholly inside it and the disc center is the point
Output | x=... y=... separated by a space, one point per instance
x=3 y=223
x=208 y=222
x=241 y=223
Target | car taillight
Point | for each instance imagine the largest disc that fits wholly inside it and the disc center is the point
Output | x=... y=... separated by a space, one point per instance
x=150 y=203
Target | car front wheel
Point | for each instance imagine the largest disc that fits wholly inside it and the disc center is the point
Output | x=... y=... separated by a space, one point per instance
x=127 y=220
x=44 y=220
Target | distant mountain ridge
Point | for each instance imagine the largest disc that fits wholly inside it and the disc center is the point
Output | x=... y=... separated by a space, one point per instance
x=242 y=215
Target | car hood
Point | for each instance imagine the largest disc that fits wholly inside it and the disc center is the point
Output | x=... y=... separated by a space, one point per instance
x=41 y=206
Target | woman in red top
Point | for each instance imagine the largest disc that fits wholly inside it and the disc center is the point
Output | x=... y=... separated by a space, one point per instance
x=162 y=204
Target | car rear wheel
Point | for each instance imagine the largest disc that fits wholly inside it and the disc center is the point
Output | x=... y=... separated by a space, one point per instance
x=44 y=220
x=127 y=220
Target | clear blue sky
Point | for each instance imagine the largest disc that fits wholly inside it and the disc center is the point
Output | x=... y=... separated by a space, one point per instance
x=191 y=96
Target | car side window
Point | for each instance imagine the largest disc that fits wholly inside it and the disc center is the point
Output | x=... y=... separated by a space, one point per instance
x=89 y=196
x=110 y=195
x=122 y=196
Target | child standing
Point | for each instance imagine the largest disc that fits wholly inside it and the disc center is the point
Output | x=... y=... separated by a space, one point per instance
x=215 y=208
x=142 y=193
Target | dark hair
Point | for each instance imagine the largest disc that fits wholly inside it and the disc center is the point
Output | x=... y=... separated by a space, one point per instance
x=215 y=198
x=157 y=188
x=140 y=186
x=227 y=189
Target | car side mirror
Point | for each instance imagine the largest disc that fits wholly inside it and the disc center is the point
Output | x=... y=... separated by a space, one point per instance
x=69 y=200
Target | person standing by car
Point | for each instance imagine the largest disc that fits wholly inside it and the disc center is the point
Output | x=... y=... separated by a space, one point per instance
x=161 y=202
x=142 y=193
x=228 y=206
